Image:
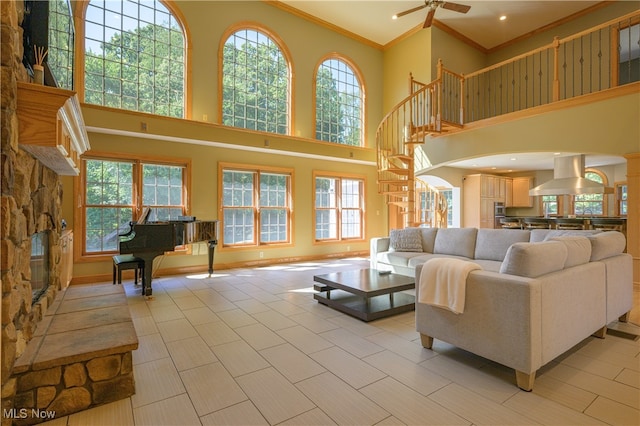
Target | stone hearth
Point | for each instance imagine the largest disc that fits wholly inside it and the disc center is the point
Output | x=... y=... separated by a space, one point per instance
x=79 y=357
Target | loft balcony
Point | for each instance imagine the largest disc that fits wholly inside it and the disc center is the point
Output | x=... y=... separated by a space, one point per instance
x=593 y=66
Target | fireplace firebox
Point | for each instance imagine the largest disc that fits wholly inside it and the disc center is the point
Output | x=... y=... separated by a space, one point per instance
x=39 y=263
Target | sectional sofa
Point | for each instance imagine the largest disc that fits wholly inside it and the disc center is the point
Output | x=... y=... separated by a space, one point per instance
x=537 y=293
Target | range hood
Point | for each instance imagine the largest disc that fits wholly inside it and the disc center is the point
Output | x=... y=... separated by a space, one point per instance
x=568 y=179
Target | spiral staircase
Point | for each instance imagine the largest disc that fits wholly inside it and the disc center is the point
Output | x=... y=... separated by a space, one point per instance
x=399 y=141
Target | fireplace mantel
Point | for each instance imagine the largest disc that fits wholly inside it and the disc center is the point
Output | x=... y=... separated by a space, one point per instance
x=51 y=127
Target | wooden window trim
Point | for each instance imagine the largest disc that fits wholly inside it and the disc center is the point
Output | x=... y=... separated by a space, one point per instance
x=363 y=215
x=79 y=186
x=79 y=17
x=359 y=76
x=256 y=26
x=256 y=169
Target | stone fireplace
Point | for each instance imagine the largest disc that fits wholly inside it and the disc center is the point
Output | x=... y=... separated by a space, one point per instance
x=30 y=203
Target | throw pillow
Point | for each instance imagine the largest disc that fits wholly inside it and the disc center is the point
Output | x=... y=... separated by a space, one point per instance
x=408 y=239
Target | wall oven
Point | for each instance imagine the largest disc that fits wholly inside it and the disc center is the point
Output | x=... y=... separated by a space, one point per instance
x=499 y=213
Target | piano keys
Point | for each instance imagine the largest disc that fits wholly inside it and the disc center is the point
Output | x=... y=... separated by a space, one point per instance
x=152 y=239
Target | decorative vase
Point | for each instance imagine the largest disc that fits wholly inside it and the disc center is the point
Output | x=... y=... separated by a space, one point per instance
x=38 y=74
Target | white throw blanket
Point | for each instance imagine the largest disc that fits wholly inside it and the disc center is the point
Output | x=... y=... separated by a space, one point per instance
x=443 y=283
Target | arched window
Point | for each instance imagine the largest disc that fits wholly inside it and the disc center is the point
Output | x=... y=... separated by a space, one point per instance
x=61 y=34
x=339 y=103
x=255 y=82
x=134 y=57
x=591 y=204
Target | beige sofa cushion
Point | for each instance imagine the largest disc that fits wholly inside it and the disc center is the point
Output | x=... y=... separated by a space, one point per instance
x=428 y=239
x=534 y=259
x=456 y=241
x=492 y=244
x=578 y=250
x=606 y=244
x=407 y=239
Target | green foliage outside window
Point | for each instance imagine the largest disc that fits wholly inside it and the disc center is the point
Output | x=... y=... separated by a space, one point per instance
x=338 y=104
x=108 y=202
x=241 y=191
x=255 y=83
x=590 y=204
x=60 y=54
x=139 y=64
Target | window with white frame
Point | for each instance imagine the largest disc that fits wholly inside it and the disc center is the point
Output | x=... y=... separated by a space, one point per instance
x=114 y=195
x=339 y=208
x=134 y=57
x=339 y=103
x=255 y=82
x=256 y=206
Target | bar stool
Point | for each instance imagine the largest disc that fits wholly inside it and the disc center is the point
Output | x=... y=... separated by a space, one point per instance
x=608 y=224
x=530 y=223
x=123 y=262
x=570 y=224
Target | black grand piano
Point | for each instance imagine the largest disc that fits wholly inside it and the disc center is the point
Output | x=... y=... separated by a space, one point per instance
x=151 y=239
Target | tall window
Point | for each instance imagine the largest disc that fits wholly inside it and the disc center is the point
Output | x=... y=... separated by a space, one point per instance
x=591 y=204
x=114 y=196
x=256 y=206
x=339 y=208
x=134 y=57
x=550 y=205
x=339 y=103
x=621 y=199
x=255 y=83
x=60 y=56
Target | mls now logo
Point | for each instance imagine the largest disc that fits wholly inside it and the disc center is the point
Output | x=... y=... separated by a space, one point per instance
x=23 y=413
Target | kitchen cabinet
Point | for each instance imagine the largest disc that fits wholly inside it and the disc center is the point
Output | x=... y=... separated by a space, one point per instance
x=508 y=196
x=51 y=127
x=520 y=192
x=480 y=193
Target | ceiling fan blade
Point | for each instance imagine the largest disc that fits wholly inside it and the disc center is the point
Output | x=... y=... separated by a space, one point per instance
x=462 y=8
x=429 y=20
x=406 y=12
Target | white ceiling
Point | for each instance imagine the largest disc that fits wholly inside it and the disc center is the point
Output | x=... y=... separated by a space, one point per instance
x=506 y=163
x=371 y=19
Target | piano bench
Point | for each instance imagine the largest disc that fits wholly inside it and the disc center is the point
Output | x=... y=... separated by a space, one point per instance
x=123 y=262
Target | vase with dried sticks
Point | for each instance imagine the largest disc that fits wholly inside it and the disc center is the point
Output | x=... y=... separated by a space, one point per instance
x=38 y=69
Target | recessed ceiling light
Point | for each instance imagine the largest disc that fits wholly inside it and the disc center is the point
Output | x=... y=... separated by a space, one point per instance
x=513 y=158
x=394 y=17
x=503 y=17
x=556 y=153
x=493 y=168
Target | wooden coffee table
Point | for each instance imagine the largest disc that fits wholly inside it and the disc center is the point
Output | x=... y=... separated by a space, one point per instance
x=365 y=293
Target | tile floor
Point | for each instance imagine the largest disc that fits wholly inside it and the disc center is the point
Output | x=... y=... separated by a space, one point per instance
x=252 y=347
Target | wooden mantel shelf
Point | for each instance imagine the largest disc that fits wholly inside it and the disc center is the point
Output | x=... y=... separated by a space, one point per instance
x=51 y=127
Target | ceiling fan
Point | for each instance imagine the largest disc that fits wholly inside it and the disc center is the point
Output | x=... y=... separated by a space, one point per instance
x=433 y=5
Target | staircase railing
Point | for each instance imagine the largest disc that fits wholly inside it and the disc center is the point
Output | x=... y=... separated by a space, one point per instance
x=587 y=62
x=591 y=61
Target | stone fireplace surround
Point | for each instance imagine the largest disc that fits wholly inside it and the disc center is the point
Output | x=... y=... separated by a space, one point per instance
x=31 y=196
x=30 y=202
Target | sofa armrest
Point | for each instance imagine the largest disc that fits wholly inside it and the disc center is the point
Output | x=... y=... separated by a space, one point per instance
x=521 y=322
x=377 y=245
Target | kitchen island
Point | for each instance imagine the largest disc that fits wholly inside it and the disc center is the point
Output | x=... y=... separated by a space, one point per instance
x=562 y=222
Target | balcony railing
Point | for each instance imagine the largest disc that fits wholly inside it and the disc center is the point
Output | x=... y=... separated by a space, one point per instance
x=591 y=61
